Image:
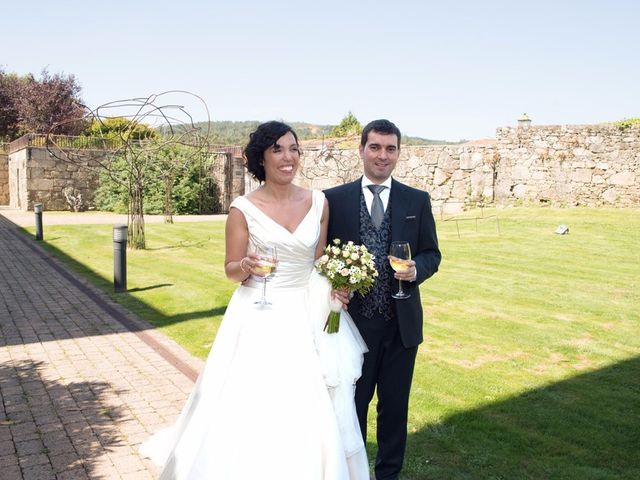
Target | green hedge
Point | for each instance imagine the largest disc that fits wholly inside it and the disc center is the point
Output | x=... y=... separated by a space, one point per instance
x=193 y=194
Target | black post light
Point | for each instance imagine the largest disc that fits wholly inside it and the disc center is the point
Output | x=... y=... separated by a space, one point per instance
x=37 y=208
x=120 y=258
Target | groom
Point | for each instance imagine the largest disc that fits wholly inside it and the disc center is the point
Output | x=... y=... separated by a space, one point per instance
x=376 y=210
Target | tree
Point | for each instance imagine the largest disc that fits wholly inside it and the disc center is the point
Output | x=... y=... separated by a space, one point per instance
x=348 y=126
x=51 y=99
x=9 y=84
x=194 y=191
x=29 y=104
x=119 y=127
x=171 y=160
x=128 y=130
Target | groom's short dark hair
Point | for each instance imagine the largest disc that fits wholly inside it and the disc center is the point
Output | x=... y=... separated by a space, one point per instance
x=381 y=126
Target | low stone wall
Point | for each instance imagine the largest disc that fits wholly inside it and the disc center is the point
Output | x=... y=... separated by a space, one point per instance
x=228 y=172
x=37 y=177
x=452 y=174
x=18 y=180
x=570 y=164
x=588 y=165
x=4 y=179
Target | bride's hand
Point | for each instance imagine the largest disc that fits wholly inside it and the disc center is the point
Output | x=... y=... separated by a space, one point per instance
x=342 y=295
x=251 y=265
x=248 y=264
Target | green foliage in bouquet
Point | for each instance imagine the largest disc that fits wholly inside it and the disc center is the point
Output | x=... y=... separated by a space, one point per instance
x=348 y=267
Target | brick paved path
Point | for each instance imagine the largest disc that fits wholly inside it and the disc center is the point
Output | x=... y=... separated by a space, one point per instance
x=79 y=390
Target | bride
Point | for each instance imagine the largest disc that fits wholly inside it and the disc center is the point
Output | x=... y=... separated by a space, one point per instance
x=275 y=397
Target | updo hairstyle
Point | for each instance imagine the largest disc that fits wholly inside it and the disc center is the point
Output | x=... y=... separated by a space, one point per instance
x=265 y=136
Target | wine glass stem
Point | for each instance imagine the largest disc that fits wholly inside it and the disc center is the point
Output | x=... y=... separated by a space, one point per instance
x=264 y=290
x=400 y=287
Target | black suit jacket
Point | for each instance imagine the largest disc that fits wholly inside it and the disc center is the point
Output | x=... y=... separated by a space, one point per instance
x=412 y=221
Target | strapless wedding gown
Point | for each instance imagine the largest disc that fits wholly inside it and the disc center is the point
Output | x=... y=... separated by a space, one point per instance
x=275 y=397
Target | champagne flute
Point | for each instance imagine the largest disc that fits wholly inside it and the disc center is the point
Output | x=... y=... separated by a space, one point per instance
x=267 y=256
x=399 y=254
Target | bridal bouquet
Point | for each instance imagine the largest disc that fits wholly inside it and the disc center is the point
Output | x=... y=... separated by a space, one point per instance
x=347 y=267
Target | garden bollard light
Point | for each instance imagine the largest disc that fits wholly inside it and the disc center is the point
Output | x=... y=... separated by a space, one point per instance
x=37 y=208
x=120 y=258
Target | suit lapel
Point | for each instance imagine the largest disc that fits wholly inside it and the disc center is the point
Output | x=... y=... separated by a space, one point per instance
x=400 y=201
x=352 y=208
x=344 y=222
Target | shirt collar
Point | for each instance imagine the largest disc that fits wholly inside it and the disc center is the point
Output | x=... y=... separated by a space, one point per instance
x=366 y=182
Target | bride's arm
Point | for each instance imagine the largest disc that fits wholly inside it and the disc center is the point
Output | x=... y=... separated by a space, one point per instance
x=237 y=266
x=342 y=295
x=324 y=225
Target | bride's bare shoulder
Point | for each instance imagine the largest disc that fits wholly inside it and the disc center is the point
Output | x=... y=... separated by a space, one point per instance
x=303 y=193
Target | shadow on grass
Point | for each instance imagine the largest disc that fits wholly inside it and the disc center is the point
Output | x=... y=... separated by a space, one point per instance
x=127 y=300
x=73 y=423
x=150 y=287
x=183 y=244
x=585 y=427
x=79 y=275
x=181 y=317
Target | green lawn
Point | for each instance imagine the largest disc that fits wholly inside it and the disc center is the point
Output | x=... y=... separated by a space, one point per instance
x=177 y=283
x=531 y=364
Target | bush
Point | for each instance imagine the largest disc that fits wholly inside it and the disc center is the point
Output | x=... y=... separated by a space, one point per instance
x=348 y=126
x=111 y=196
x=192 y=194
x=626 y=123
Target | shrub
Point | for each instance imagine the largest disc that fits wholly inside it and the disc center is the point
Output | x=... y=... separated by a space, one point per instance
x=192 y=194
x=626 y=123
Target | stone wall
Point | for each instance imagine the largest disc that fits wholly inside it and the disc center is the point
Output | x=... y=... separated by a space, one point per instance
x=37 y=177
x=4 y=179
x=228 y=173
x=570 y=164
x=18 y=179
x=452 y=174
x=563 y=165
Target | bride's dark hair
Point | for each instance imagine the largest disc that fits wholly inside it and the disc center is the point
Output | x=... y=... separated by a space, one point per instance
x=265 y=136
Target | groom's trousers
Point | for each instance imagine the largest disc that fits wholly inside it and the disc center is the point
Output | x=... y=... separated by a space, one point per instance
x=387 y=371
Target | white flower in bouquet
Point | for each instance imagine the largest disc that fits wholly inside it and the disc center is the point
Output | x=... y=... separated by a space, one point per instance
x=348 y=267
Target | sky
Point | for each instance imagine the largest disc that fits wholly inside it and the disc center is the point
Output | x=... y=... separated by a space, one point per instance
x=446 y=70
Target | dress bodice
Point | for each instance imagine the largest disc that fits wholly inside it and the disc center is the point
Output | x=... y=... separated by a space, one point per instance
x=296 y=250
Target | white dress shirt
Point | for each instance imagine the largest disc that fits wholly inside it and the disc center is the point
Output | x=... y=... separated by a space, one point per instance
x=368 y=194
x=384 y=196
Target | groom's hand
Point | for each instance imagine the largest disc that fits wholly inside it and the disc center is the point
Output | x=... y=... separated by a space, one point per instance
x=408 y=274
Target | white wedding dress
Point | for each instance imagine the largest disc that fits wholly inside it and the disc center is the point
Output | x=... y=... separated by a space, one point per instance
x=275 y=397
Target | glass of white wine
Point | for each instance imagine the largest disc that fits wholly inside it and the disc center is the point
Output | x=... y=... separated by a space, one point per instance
x=399 y=254
x=267 y=256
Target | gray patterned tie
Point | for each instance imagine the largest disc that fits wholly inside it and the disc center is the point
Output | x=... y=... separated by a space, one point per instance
x=377 y=210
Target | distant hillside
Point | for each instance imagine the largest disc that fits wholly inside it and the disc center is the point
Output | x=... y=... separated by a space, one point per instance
x=225 y=132
x=427 y=141
x=237 y=133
